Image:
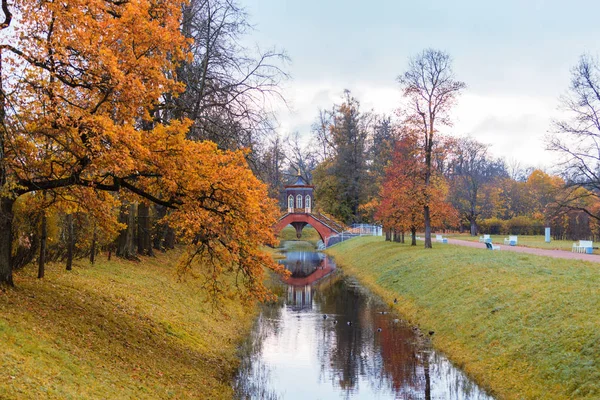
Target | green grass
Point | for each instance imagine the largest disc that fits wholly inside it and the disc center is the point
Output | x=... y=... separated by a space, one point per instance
x=117 y=330
x=524 y=326
x=537 y=241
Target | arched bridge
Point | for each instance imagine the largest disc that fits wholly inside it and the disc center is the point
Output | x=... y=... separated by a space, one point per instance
x=323 y=225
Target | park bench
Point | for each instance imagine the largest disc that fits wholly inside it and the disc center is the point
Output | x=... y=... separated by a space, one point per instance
x=511 y=241
x=491 y=246
x=485 y=239
x=441 y=239
x=584 y=246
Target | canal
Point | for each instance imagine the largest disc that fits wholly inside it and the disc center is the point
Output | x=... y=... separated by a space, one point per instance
x=328 y=338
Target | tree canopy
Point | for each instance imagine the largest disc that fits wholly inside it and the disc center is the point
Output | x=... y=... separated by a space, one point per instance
x=84 y=82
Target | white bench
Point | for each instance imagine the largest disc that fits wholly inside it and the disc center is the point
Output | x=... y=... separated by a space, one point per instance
x=441 y=239
x=485 y=239
x=511 y=241
x=491 y=246
x=584 y=246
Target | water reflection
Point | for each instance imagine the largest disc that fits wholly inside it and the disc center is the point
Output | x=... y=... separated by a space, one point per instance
x=329 y=338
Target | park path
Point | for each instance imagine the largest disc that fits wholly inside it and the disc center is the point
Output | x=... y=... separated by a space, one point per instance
x=530 y=250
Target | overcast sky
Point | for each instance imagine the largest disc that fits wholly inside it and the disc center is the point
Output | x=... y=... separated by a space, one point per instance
x=514 y=55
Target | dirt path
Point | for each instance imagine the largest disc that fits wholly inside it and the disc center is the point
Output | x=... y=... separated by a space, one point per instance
x=538 y=252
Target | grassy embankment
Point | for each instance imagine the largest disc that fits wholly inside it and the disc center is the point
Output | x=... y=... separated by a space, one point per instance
x=117 y=330
x=523 y=326
x=536 y=241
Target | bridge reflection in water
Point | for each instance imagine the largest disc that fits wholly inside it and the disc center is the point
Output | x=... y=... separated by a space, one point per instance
x=307 y=268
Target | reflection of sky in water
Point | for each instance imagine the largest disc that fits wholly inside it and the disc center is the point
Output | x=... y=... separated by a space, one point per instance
x=297 y=354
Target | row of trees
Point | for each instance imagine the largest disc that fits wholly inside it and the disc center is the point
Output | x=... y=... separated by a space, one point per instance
x=407 y=175
x=124 y=125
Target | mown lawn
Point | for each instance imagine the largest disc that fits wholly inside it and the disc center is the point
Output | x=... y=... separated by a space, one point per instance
x=117 y=330
x=536 y=241
x=524 y=326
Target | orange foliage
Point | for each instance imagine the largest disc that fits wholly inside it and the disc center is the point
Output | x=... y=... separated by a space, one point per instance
x=85 y=122
x=404 y=192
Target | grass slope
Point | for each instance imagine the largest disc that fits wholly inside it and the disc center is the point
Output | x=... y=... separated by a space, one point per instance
x=523 y=326
x=116 y=330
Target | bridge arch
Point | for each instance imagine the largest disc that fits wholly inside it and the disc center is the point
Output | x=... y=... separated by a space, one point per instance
x=300 y=220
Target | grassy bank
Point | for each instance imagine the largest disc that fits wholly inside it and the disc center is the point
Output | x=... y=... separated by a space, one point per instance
x=116 y=330
x=523 y=326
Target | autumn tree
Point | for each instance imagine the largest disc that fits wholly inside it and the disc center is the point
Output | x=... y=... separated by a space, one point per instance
x=472 y=168
x=404 y=191
x=83 y=76
x=431 y=89
x=544 y=189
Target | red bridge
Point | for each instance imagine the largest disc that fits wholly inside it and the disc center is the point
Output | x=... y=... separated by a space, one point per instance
x=323 y=225
x=300 y=202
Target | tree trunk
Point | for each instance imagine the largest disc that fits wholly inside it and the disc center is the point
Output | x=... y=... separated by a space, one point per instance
x=396 y=236
x=43 y=243
x=126 y=241
x=70 y=242
x=93 y=249
x=144 y=237
x=160 y=230
x=387 y=235
x=473 y=227
x=402 y=237
x=170 y=239
x=427 y=218
x=6 y=218
x=6 y=203
x=413 y=234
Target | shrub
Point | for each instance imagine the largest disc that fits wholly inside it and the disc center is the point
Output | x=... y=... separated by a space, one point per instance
x=492 y=226
x=523 y=225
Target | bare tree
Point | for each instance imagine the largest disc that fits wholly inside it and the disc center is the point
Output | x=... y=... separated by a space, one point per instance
x=470 y=170
x=229 y=88
x=431 y=89
x=322 y=134
x=577 y=138
x=300 y=157
x=517 y=171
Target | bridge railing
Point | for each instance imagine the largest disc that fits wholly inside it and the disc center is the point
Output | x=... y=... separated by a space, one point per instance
x=335 y=225
x=355 y=230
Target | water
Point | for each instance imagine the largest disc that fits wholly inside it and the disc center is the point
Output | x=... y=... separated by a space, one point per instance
x=359 y=351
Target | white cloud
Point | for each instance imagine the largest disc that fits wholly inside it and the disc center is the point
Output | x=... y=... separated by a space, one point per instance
x=514 y=126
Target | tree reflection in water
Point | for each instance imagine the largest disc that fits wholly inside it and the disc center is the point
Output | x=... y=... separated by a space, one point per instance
x=295 y=353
